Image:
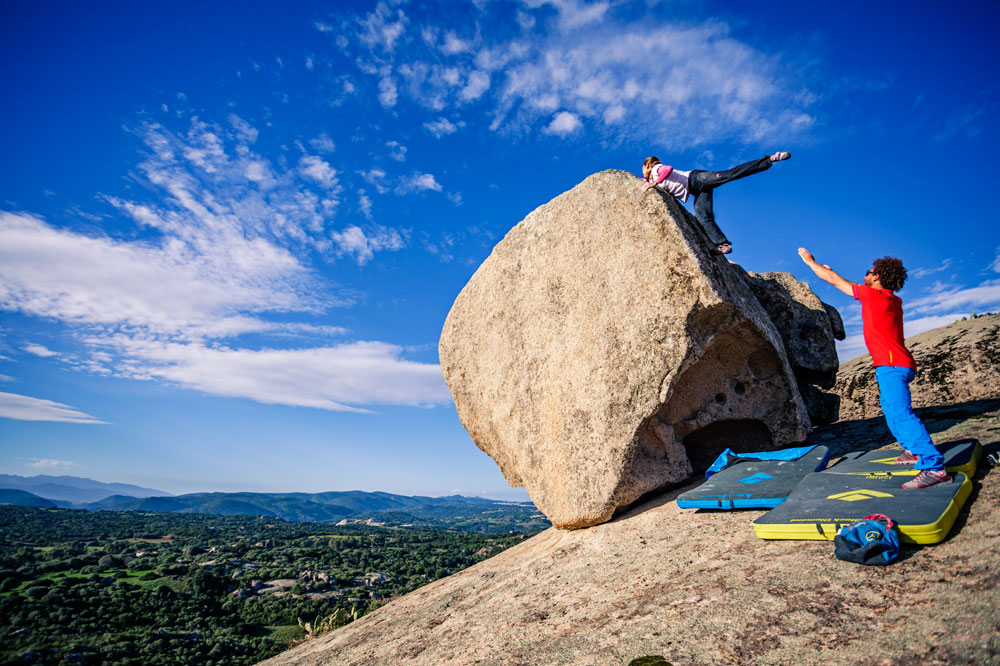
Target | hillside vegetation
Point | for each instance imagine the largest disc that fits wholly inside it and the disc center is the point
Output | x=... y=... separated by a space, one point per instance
x=145 y=588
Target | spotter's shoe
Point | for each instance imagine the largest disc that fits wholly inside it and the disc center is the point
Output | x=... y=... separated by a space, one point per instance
x=927 y=478
x=905 y=458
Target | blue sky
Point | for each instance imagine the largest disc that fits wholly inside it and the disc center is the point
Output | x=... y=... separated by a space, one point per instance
x=229 y=239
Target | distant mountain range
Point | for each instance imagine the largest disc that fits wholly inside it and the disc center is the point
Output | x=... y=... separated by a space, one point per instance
x=474 y=513
x=73 y=489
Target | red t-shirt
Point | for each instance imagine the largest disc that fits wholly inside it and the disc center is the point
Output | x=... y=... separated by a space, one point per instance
x=882 y=323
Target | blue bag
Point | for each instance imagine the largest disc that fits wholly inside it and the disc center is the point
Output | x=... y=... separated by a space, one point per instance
x=871 y=540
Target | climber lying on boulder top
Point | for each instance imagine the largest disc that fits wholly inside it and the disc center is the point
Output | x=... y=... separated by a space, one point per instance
x=701 y=184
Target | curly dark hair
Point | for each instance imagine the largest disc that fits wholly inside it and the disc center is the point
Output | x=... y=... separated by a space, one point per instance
x=890 y=272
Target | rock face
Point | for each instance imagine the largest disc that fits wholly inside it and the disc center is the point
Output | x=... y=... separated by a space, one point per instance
x=955 y=363
x=808 y=327
x=700 y=588
x=600 y=352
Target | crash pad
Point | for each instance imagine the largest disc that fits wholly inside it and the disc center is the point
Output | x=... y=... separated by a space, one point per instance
x=754 y=480
x=961 y=455
x=865 y=484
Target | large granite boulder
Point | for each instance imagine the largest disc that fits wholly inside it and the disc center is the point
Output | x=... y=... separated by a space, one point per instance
x=600 y=352
x=808 y=328
x=955 y=363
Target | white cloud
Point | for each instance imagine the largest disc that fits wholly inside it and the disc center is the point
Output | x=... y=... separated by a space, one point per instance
x=319 y=172
x=478 y=83
x=377 y=178
x=338 y=378
x=419 y=182
x=924 y=272
x=246 y=132
x=614 y=114
x=984 y=297
x=996 y=262
x=50 y=464
x=564 y=123
x=695 y=81
x=323 y=143
x=365 y=204
x=387 y=93
x=259 y=173
x=353 y=240
x=382 y=28
x=574 y=14
x=7 y=378
x=174 y=289
x=682 y=84
x=39 y=350
x=452 y=44
x=397 y=151
x=923 y=324
x=442 y=127
x=25 y=408
x=215 y=254
x=525 y=20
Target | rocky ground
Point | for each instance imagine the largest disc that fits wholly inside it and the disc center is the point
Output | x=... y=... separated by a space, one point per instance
x=699 y=588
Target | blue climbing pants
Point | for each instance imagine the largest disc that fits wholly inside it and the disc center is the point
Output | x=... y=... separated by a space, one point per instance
x=905 y=426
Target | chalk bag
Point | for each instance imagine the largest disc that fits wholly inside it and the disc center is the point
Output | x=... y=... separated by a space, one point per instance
x=872 y=540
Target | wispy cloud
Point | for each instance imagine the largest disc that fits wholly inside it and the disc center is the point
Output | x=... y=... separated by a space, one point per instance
x=39 y=350
x=397 y=151
x=986 y=296
x=323 y=143
x=169 y=289
x=383 y=27
x=338 y=378
x=938 y=305
x=921 y=272
x=574 y=13
x=854 y=345
x=442 y=127
x=365 y=204
x=26 y=408
x=967 y=122
x=680 y=84
x=222 y=247
x=353 y=240
x=50 y=464
x=419 y=182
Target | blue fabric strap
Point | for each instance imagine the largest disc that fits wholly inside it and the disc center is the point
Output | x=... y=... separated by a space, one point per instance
x=729 y=457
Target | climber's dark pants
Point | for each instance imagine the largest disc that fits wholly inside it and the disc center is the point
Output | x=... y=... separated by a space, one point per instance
x=701 y=184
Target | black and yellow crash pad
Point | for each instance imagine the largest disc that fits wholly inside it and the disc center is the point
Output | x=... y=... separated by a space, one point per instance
x=864 y=484
x=749 y=483
x=961 y=455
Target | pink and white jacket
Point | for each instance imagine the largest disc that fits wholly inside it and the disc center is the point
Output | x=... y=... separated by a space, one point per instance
x=670 y=180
